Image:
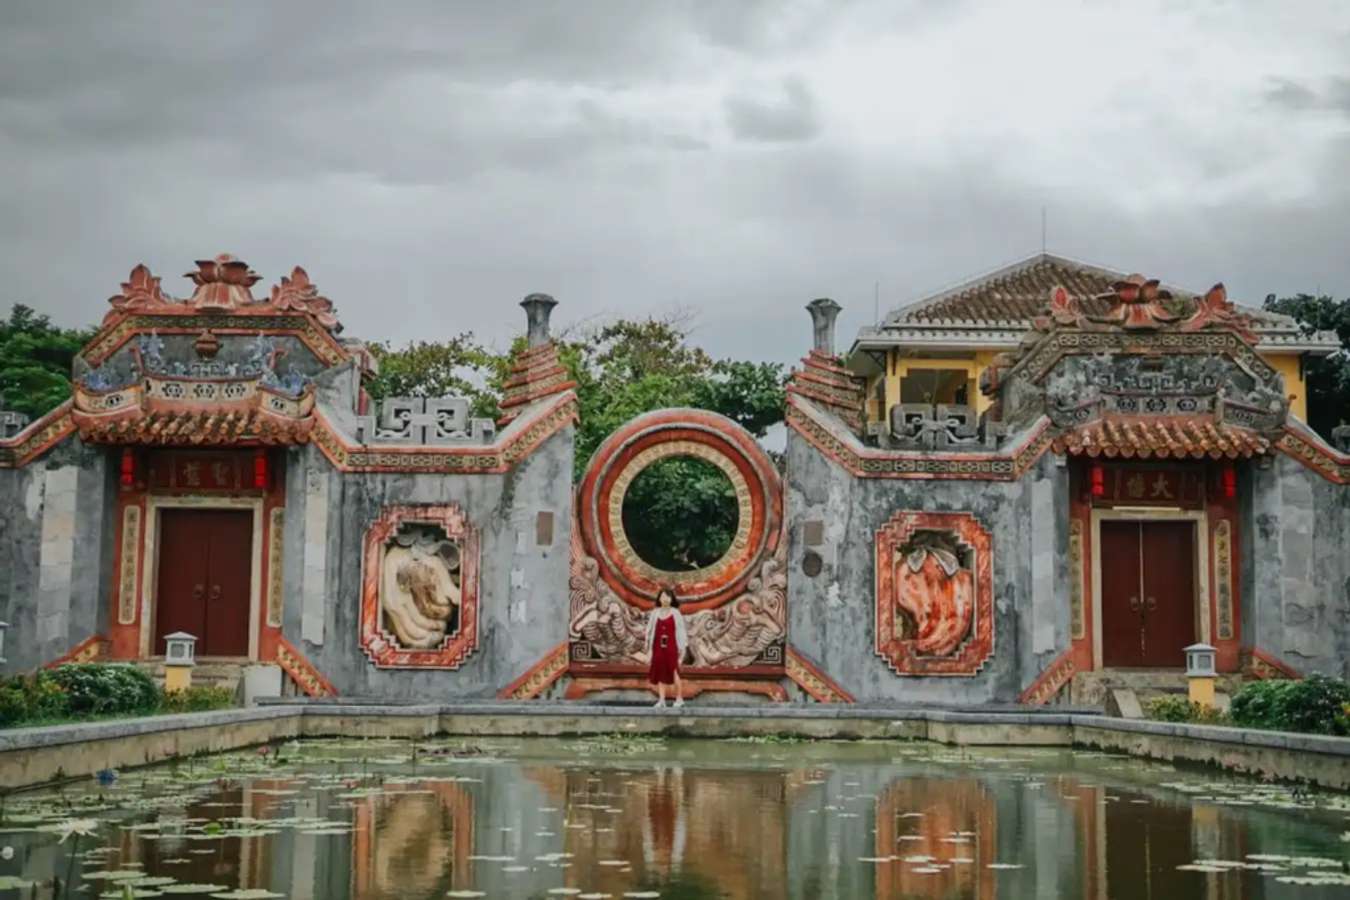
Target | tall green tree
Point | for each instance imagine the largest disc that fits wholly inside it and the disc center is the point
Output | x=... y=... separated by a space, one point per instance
x=459 y=366
x=35 y=361
x=629 y=367
x=1328 y=378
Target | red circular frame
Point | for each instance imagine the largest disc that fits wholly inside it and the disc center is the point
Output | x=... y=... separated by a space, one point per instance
x=721 y=436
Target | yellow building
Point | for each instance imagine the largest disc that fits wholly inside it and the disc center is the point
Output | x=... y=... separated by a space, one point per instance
x=932 y=352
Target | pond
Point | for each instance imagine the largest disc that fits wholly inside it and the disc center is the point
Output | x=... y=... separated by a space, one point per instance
x=629 y=816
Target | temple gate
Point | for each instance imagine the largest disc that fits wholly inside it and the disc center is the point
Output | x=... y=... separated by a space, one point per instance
x=1026 y=488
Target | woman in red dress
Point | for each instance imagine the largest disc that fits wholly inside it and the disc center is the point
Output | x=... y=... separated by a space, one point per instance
x=666 y=640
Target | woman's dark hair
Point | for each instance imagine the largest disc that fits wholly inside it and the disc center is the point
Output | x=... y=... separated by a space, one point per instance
x=674 y=598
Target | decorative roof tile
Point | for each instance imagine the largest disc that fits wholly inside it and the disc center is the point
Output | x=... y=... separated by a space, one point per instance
x=1162 y=437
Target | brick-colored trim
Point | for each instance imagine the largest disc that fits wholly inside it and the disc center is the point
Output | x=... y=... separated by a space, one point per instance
x=39 y=437
x=87 y=650
x=1306 y=446
x=302 y=671
x=1051 y=681
x=538 y=677
x=1262 y=666
x=844 y=448
x=811 y=678
x=536 y=425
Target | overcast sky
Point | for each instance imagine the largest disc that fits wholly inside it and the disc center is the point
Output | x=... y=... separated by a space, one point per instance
x=431 y=164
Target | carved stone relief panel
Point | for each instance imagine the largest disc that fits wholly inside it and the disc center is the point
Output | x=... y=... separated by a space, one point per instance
x=419 y=604
x=934 y=594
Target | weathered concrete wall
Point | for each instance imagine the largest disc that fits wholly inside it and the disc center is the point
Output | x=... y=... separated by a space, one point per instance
x=522 y=586
x=57 y=521
x=1295 y=569
x=832 y=615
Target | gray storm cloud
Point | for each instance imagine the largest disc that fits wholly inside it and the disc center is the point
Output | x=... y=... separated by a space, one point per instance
x=429 y=164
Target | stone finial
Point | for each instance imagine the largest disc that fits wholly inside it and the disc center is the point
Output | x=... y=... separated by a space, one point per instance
x=538 y=308
x=823 y=313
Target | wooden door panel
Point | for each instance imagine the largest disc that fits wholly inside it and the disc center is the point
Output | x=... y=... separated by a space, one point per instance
x=228 y=585
x=1169 y=588
x=1119 y=556
x=181 y=585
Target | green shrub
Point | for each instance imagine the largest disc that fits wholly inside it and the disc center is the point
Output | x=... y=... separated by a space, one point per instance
x=196 y=699
x=1169 y=708
x=1177 y=708
x=98 y=689
x=1316 y=704
x=27 y=698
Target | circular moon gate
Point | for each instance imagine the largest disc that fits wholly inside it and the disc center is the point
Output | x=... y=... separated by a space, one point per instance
x=680 y=432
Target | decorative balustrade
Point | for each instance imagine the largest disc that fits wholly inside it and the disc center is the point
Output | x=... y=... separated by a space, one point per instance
x=941 y=426
x=424 y=421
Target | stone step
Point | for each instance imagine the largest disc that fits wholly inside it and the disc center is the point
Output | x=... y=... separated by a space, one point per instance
x=212 y=673
x=1094 y=688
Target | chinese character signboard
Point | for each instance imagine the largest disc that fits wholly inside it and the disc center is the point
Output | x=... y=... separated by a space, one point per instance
x=194 y=472
x=1127 y=485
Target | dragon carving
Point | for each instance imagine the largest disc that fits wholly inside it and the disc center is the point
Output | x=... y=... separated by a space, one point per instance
x=734 y=634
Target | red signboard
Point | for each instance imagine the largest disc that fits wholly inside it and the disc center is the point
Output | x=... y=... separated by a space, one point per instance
x=205 y=471
x=1124 y=485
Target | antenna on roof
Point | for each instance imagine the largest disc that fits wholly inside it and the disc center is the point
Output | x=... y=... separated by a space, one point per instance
x=1042 y=229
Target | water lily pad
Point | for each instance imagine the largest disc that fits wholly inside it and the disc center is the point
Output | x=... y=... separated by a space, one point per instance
x=190 y=888
x=249 y=894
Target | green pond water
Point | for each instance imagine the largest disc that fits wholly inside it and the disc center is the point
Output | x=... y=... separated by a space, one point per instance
x=679 y=819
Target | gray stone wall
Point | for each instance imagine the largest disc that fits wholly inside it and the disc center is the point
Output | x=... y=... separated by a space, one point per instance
x=522 y=586
x=57 y=523
x=832 y=615
x=1295 y=571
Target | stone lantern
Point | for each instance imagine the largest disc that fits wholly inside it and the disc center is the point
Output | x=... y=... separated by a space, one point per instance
x=1200 y=673
x=180 y=656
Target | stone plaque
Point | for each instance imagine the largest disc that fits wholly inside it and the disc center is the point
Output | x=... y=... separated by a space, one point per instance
x=813 y=533
x=543 y=528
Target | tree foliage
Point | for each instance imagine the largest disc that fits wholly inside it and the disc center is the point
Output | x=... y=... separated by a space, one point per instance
x=629 y=367
x=35 y=361
x=680 y=513
x=458 y=366
x=1328 y=379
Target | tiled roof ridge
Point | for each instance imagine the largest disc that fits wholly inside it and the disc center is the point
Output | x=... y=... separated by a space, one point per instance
x=1016 y=305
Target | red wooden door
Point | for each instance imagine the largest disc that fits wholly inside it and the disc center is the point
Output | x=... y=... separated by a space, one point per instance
x=205 y=571
x=1169 y=592
x=1148 y=592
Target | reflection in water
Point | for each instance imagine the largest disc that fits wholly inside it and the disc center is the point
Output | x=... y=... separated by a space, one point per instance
x=688 y=820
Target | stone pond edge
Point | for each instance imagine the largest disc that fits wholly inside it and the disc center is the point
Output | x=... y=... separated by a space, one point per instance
x=34 y=756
